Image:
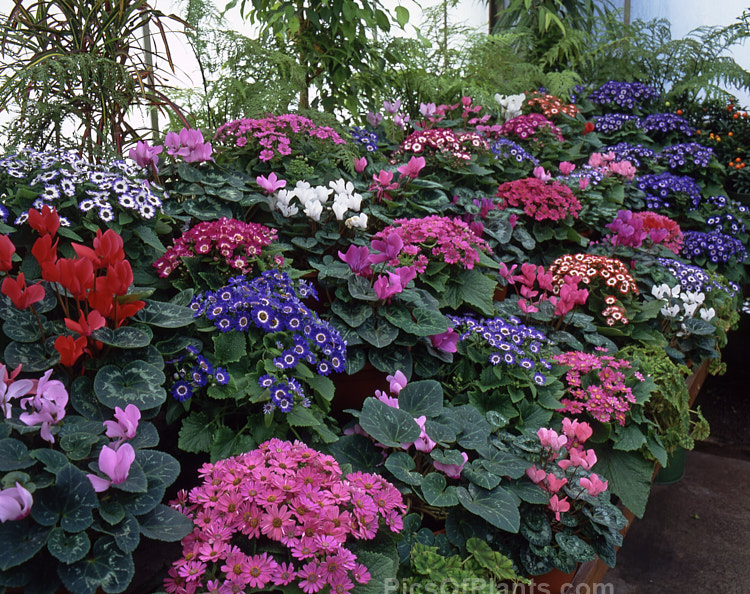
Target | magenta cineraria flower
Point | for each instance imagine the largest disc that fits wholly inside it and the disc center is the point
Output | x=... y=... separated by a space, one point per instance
x=15 y=503
x=296 y=498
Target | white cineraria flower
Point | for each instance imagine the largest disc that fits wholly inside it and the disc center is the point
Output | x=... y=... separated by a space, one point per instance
x=707 y=314
x=287 y=210
x=359 y=221
x=313 y=210
x=510 y=104
x=339 y=207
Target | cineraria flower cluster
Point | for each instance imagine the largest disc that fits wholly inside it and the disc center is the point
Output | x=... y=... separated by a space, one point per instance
x=456 y=146
x=659 y=187
x=666 y=122
x=563 y=463
x=552 y=106
x=600 y=385
x=633 y=228
x=234 y=243
x=678 y=155
x=503 y=148
x=540 y=200
x=589 y=267
x=280 y=517
x=273 y=134
x=272 y=304
x=695 y=279
x=681 y=304
x=715 y=246
x=194 y=371
x=364 y=137
x=614 y=122
x=101 y=190
x=433 y=238
x=528 y=126
x=726 y=215
x=313 y=201
x=635 y=153
x=625 y=95
x=511 y=343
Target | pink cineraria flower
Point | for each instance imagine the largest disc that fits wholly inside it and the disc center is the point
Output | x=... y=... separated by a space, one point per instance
x=15 y=503
x=146 y=155
x=115 y=464
x=125 y=424
x=452 y=470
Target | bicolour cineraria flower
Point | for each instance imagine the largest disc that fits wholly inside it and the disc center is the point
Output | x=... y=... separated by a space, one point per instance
x=15 y=503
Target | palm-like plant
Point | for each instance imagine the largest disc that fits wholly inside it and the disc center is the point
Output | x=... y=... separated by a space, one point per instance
x=82 y=65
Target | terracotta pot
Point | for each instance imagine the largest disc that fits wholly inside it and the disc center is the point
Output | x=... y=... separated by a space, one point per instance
x=351 y=390
x=500 y=293
x=555 y=581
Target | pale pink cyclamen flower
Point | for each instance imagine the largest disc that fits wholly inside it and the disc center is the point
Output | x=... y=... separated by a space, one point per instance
x=537 y=475
x=146 y=155
x=48 y=406
x=451 y=470
x=583 y=183
x=397 y=381
x=424 y=443
x=576 y=431
x=550 y=439
x=125 y=424
x=401 y=120
x=427 y=109
x=542 y=174
x=391 y=107
x=11 y=389
x=115 y=464
x=374 y=119
x=412 y=168
x=15 y=503
x=271 y=183
x=189 y=145
x=554 y=484
x=566 y=168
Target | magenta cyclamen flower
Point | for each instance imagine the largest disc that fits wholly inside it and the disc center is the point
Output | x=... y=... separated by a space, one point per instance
x=189 y=145
x=146 y=155
x=452 y=470
x=382 y=183
x=446 y=341
x=389 y=248
x=358 y=259
x=15 y=503
x=271 y=183
x=412 y=168
x=115 y=463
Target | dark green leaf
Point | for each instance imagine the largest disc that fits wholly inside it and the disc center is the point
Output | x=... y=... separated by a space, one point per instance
x=165 y=523
x=106 y=567
x=195 y=435
x=356 y=450
x=390 y=426
x=165 y=315
x=402 y=465
x=21 y=540
x=422 y=398
x=230 y=347
x=70 y=501
x=23 y=327
x=158 y=465
x=68 y=548
x=136 y=383
x=391 y=358
x=84 y=400
x=435 y=491
x=360 y=288
x=629 y=476
x=378 y=332
x=31 y=356
x=354 y=313
x=574 y=546
x=126 y=337
x=499 y=506
x=14 y=455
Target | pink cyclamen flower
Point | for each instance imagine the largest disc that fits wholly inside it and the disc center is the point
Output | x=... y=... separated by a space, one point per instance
x=15 y=503
x=125 y=424
x=382 y=183
x=11 y=389
x=115 y=464
x=537 y=475
x=542 y=174
x=446 y=341
x=594 y=485
x=583 y=183
x=271 y=183
x=48 y=406
x=576 y=431
x=360 y=164
x=387 y=286
x=397 y=381
x=583 y=459
x=412 y=168
x=550 y=439
x=452 y=470
x=424 y=443
x=555 y=484
x=358 y=259
x=566 y=168
x=391 y=107
x=558 y=506
x=146 y=155
x=189 y=145
x=427 y=109
x=374 y=119
x=389 y=249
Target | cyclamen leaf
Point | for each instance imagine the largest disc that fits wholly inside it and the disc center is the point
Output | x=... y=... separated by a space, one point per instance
x=390 y=426
x=108 y=567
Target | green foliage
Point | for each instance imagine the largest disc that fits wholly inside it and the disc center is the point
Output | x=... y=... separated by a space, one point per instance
x=83 y=65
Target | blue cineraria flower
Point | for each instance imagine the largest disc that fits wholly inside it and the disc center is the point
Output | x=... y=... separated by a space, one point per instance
x=662 y=123
x=625 y=95
x=100 y=190
x=181 y=390
x=725 y=215
x=271 y=305
x=366 y=138
x=662 y=188
x=679 y=155
x=194 y=371
x=613 y=122
x=715 y=246
x=507 y=149
x=635 y=153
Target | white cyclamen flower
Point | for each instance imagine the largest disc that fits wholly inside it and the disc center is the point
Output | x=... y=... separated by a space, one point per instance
x=510 y=104
x=313 y=210
x=287 y=210
x=339 y=207
x=707 y=314
x=670 y=311
x=690 y=308
x=359 y=221
x=322 y=193
x=341 y=186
